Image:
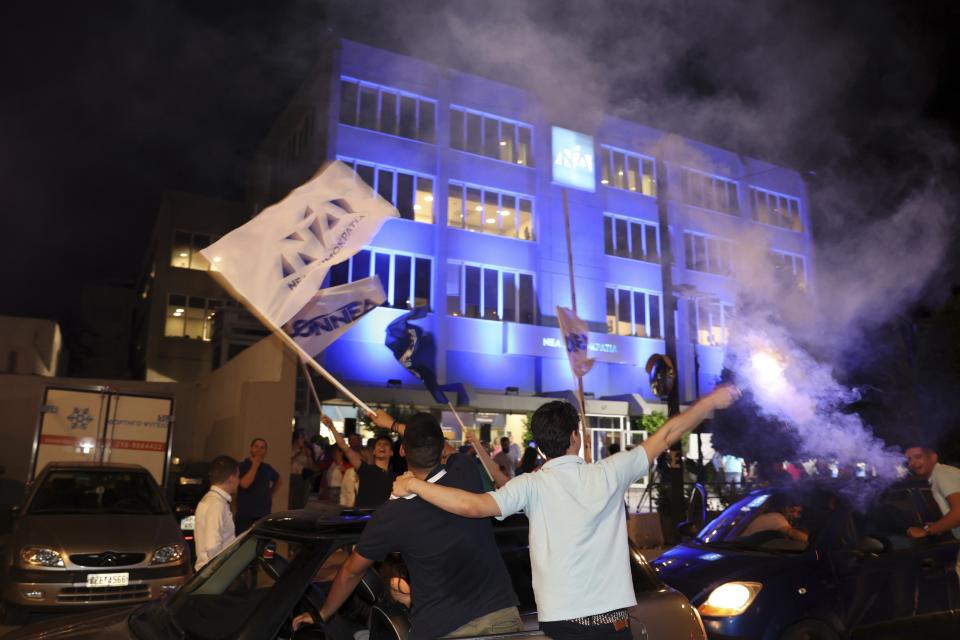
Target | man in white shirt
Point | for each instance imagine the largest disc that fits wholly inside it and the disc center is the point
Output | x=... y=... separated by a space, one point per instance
x=579 y=550
x=214 y=529
x=945 y=485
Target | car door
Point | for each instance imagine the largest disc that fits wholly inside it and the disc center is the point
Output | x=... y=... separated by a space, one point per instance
x=938 y=587
x=879 y=589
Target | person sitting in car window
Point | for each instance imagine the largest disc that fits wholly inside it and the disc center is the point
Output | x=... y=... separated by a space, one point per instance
x=782 y=518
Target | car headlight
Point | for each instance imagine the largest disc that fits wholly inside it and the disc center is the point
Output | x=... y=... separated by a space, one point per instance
x=169 y=553
x=41 y=557
x=730 y=599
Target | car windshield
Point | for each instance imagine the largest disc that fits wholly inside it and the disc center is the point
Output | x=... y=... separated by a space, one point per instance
x=225 y=596
x=770 y=520
x=99 y=491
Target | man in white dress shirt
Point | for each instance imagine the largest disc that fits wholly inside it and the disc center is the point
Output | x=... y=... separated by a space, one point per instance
x=945 y=485
x=213 y=526
x=578 y=533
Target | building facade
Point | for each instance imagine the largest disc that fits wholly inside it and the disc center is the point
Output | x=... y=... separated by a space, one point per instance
x=179 y=304
x=473 y=167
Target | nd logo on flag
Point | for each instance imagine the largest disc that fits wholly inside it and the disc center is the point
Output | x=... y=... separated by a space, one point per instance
x=278 y=260
x=574 y=332
x=332 y=311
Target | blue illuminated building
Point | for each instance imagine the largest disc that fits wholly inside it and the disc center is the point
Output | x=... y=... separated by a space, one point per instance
x=472 y=166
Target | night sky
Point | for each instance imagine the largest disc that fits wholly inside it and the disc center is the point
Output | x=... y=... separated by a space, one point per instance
x=106 y=104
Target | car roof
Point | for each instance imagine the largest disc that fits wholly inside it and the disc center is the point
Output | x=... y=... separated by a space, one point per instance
x=330 y=521
x=86 y=466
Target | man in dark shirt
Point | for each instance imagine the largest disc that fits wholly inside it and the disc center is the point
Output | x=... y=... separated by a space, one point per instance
x=258 y=482
x=375 y=480
x=459 y=584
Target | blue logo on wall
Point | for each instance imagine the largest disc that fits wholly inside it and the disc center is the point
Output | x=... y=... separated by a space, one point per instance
x=573 y=164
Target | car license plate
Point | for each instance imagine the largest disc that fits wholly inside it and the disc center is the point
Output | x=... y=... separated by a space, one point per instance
x=188 y=523
x=108 y=579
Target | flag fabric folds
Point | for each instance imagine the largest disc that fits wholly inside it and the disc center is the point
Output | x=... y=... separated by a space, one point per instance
x=278 y=260
x=416 y=350
x=332 y=311
x=574 y=332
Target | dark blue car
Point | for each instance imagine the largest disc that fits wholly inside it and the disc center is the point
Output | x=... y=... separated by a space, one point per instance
x=857 y=574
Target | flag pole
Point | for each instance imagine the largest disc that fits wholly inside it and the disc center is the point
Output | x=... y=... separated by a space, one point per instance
x=463 y=428
x=288 y=341
x=573 y=300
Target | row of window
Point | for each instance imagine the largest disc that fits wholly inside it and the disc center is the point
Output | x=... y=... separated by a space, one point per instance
x=190 y=316
x=626 y=238
x=489 y=211
x=631 y=171
x=792 y=266
x=397 y=113
x=634 y=312
x=709 y=254
x=773 y=208
x=410 y=193
x=406 y=278
x=709 y=321
x=476 y=291
x=490 y=136
x=185 y=252
x=709 y=192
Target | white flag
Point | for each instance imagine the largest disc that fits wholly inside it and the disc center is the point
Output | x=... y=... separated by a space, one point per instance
x=278 y=260
x=574 y=332
x=332 y=311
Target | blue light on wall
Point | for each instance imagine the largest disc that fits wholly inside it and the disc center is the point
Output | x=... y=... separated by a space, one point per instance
x=573 y=159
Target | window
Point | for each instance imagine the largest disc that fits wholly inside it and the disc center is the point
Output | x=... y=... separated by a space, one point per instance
x=371 y=106
x=406 y=278
x=410 y=193
x=634 y=312
x=708 y=253
x=186 y=250
x=490 y=136
x=476 y=291
x=709 y=192
x=190 y=317
x=631 y=171
x=632 y=239
x=489 y=211
x=776 y=209
x=709 y=321
x=791 y=267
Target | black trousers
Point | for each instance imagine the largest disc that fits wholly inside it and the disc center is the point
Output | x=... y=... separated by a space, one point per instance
x=563 y=630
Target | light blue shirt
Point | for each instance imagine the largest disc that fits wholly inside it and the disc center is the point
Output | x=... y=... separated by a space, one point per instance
x=579 y=550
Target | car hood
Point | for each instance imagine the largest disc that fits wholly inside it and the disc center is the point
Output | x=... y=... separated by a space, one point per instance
x=695 y=570
x=98 y=625
x=96 y=533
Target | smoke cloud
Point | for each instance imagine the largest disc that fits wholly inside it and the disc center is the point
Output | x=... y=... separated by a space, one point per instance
x=779 y=81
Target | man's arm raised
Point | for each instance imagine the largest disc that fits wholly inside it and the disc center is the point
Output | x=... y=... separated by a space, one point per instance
x=683 y=423
x=352 y=456
x=456 y=501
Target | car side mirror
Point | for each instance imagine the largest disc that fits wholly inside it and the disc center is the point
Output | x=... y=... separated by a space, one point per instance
x=687 y=530
x=873 y=545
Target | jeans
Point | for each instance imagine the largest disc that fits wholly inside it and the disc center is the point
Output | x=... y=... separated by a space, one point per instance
x=564 y=630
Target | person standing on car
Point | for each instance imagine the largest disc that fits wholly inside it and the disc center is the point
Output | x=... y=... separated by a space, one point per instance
x=945 y=484
x=213 y=522
x=579 y=550
x=459 y=584
x=258 y=482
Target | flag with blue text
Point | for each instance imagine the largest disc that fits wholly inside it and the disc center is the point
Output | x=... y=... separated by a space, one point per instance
x=278 y=260
x=416 y=350
x=575 y=341
x=332 y=311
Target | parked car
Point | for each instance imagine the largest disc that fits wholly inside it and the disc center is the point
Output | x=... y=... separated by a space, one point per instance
x=858 y=575
x=285 y=565
x=88 y=535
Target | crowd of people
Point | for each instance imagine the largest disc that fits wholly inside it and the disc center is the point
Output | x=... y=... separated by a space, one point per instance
x=432 y=505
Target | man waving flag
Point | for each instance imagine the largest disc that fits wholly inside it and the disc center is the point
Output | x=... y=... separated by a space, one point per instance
x=278 y=260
